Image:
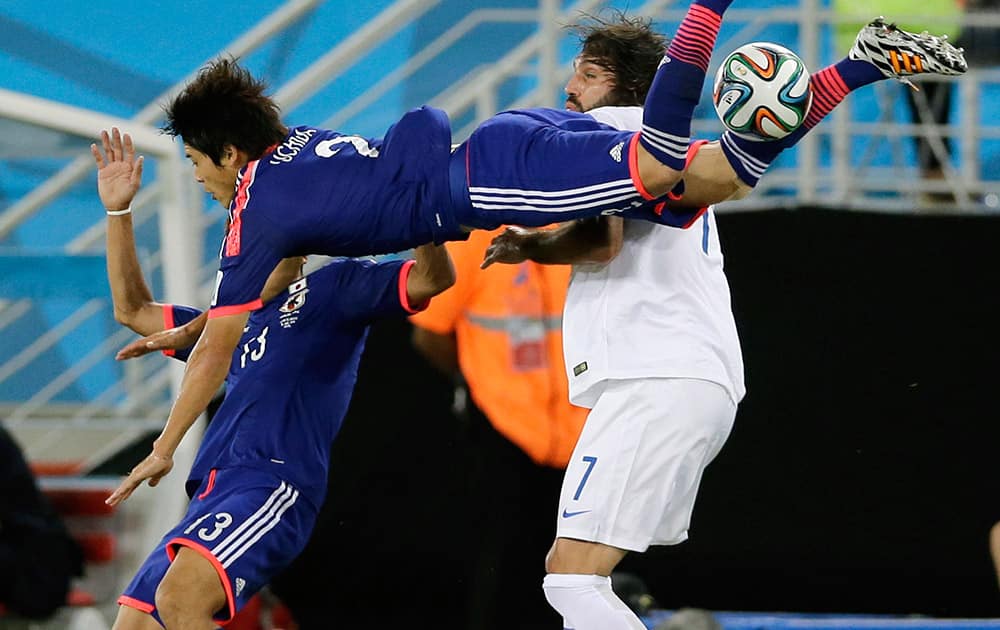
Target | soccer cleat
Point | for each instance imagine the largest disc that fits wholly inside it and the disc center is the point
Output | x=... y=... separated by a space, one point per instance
x=900 y=54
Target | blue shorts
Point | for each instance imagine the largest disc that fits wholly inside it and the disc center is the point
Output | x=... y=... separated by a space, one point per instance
x=540 y=166
x=249 y=524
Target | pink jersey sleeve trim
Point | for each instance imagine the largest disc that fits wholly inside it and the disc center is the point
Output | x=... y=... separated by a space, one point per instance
x=205 y=553
x=168 y=323
x=633 y=167
x=132 y=602
x=222 y=311
x=404 y=296
x=693 y=151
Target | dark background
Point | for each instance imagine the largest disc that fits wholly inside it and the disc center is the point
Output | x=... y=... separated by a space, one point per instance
x=861 y=475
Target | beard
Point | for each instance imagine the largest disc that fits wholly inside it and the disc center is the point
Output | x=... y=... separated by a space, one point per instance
x=610 y=99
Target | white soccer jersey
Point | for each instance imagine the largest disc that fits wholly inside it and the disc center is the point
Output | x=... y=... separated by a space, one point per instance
x=661 y=308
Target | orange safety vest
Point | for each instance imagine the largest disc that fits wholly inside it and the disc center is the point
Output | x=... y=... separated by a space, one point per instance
x=507 y=320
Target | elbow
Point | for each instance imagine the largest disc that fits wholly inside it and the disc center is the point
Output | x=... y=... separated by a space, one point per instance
x=432 y=273
x=434 y=285
x=126 y=316
x=447 y=279
x=604 y=253
x=440 y=276
x=607 y=240
x=742 y=190
x=122 y=316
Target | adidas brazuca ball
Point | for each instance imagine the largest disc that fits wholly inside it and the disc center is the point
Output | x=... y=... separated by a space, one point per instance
x=762 y=91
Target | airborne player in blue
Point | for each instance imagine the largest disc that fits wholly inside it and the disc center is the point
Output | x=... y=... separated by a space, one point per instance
x=260 y=474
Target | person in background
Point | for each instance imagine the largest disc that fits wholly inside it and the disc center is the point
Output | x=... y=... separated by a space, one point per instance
x=930 y=103
x=499 y=333
x=38 y=556
x=981 y=39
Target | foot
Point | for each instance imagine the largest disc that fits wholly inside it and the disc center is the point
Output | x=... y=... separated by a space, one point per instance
x=900 y=54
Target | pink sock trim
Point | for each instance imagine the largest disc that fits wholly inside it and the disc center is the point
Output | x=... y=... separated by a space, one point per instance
x=696 y=37
x=828 y=90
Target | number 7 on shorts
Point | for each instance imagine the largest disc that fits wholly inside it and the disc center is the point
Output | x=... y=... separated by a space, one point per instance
x=591 y=460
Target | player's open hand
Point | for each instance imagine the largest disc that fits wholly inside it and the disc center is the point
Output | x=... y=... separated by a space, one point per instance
x=119 y=171
x=509 y=247
x=153 y=468
x=171 y=339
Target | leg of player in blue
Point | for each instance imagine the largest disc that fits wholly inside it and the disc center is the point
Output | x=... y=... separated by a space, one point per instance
x=534 y=167
x=881 y=51
x=676 y=88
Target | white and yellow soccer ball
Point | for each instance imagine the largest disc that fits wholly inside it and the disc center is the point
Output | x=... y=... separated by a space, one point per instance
x=762 y=91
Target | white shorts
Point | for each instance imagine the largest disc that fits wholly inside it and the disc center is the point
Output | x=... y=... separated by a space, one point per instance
x=634 y=475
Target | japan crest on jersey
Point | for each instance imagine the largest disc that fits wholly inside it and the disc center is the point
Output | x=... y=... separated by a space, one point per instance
x=296 y=300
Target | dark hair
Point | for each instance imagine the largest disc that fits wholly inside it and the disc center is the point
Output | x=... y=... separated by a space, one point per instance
x=223 y=105
x=627 y=47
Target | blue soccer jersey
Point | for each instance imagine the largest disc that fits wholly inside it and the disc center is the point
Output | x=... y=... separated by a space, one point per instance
x=321 y=192
x=292 y=374
x=260 y=473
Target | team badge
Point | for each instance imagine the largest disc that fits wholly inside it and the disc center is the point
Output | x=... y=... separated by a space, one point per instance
x=289 y=311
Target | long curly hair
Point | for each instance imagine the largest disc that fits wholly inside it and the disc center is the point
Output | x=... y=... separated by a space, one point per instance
x=627 y=47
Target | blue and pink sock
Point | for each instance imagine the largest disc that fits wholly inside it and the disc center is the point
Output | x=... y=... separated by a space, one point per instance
x=830 y=86
x=676 y=88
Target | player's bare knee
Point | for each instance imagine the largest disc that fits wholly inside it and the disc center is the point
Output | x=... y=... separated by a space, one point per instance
x=170 y=604
x=582 y=557
x=190 y=590
x=179 y=607
x=132 y=619
x=548 y=558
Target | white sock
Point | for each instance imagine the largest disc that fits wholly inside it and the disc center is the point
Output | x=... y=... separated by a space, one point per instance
x=587 y=602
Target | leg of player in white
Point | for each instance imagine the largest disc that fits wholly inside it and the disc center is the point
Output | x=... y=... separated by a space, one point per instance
x=633 y=476
x=631 y=483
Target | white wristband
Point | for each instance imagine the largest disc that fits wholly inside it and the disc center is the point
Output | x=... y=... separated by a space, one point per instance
x=118 y=213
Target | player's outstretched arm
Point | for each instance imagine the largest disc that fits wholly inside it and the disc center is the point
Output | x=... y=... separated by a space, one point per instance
x=204 y=373
x=596 y=240
x=432 y=273
x=186 y=335
x=183 y=336
x=119 y=176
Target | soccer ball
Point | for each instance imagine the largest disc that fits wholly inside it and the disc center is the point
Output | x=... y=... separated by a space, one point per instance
x=762 y=91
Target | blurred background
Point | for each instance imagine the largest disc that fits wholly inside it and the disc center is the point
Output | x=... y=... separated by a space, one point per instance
x=861 y=476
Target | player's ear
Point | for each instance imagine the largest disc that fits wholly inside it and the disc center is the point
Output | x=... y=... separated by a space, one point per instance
x=231 y=156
